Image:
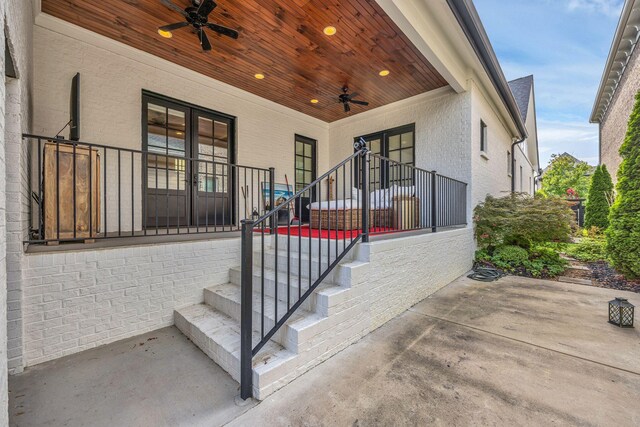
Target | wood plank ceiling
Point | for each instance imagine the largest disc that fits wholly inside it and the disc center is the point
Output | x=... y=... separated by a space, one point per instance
x=283 y=40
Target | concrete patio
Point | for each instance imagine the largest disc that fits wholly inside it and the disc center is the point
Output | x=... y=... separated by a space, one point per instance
x=513 y=352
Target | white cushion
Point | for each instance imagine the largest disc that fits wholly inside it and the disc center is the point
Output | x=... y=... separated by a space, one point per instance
x=334 y=204
x=397 y=190
x=380 y=199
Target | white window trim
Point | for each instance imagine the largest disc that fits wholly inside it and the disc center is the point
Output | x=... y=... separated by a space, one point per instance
x=484 y=140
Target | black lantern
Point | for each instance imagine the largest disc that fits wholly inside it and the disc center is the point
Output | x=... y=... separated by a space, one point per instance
x=621 y=313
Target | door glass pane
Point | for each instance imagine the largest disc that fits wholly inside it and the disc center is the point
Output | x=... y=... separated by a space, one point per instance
x=374 y=146
x=176 y=133
x=212 y=142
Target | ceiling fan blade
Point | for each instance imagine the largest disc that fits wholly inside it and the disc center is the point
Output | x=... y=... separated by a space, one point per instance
x=223 y=30
x=353 y=95
x=174 y=7
x=206 y=7
x=346 y=107
x=204 y=40
x=175 y=26
x=359 y=102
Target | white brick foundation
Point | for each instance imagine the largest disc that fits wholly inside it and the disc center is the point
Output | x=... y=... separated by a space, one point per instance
x=77 y=300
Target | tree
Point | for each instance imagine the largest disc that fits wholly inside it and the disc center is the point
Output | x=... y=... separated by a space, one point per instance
x=598 y=201
x=566 y=172
x=623 y=234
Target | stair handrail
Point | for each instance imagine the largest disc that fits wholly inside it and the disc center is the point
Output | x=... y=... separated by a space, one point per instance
x=249 y=226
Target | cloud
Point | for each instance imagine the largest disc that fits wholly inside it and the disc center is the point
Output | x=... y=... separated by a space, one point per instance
x=576 y=138
x=608 y=7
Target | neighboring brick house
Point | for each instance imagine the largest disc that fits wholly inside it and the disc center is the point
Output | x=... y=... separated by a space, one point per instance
x=618 y=87
x=168 y=131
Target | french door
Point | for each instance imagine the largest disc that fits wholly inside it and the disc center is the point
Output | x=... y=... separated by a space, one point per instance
x=189 y=175
x=398 y=145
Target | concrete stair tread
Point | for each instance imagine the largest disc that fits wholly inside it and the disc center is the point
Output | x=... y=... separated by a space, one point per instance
x=232 y=292
x=270 y=274
x=225 y=332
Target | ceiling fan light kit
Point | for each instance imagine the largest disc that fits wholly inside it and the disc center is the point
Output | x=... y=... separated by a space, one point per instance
x=196 y=16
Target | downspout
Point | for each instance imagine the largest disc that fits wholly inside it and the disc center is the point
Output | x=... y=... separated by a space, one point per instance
x=513 y=162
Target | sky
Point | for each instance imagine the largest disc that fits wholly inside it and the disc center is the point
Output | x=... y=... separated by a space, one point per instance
x=564 y=44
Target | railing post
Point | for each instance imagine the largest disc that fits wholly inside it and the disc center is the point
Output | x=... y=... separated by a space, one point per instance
x=364 y=189
x=434 y=204
x=273 y=223
x=246 y=310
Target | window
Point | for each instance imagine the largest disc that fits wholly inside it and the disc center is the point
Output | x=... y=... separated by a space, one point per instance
x=521 y=175
x=305 y=161
x=398 y=145
x=483 y=137
x=508 y=163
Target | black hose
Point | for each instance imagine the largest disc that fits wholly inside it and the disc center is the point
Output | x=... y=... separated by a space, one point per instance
x=485 y=274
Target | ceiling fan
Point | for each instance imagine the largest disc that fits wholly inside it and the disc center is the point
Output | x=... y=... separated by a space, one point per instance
x=197 y=15
x=347 y=99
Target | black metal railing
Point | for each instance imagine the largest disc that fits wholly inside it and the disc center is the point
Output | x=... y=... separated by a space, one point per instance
x=84 y=192
x=337 y=222
x=405 y=198
x=363 y=195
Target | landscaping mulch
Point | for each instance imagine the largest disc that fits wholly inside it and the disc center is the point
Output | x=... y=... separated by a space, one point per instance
x=605 y=276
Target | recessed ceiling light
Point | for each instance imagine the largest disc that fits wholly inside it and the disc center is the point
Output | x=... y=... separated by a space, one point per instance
x=259 y=76
x=384 y=73
x=314 y=101
x=165 y=34
x=330 y=30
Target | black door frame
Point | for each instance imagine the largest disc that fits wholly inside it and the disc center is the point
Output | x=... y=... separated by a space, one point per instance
x=304 y=214
x=189 y=142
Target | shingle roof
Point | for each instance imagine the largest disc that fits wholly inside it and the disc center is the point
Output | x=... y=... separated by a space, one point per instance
x=521 y=89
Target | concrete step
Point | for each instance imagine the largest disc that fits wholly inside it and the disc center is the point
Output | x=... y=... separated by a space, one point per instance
x=218 y=336
x=323 y=298
x=301 y=326
x=309 y=245
x=296 y=263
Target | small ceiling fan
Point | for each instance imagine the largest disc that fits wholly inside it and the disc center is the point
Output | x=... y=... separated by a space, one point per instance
x=197 y=15
x=347 y=99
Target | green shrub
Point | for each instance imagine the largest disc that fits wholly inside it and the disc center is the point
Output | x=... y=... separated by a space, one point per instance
x=598 y=202
x=541 y=261
x=623 y=234
x=522 y=220
x=588 y=249
x=510 y=256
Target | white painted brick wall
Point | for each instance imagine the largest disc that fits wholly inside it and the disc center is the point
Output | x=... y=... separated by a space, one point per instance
x=491 y=174
x=78 y=300
x=404 y=271
x=15 y=20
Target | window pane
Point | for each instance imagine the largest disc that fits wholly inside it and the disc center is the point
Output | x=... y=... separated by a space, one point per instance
x=406 y=140
x=307 y=150
x=394 y=142
x=299 y=148
x=299 y=162
x=374 y=146
x=307 y=178
x=407 y=155
x=394 y=155
x=308 y=164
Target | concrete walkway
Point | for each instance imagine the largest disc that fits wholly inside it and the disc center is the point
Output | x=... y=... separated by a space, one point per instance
x=156 y=379
x=513 y=352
